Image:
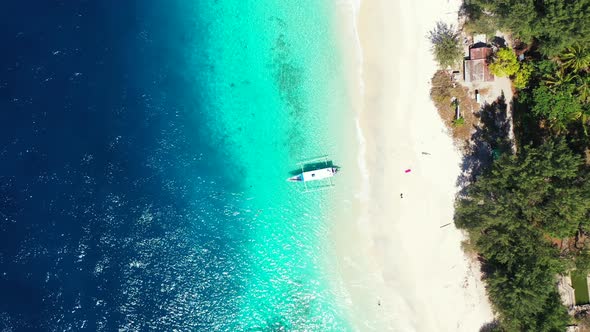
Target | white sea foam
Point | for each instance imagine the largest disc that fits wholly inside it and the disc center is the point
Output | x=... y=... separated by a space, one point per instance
x=354 y=7
x=362 y=162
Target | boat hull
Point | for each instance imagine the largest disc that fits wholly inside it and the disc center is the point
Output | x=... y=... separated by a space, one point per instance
x=315 y=175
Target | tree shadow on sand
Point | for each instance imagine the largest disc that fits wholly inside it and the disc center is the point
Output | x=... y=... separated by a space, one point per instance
x=490 y=139
x=492 y=326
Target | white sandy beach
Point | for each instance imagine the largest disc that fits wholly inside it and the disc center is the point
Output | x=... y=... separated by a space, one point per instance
x=402 y=271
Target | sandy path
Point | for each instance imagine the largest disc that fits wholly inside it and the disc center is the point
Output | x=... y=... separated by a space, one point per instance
x=402 y=270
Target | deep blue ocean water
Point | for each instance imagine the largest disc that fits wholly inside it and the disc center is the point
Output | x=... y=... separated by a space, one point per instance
x=133 y=137
x=98 y=223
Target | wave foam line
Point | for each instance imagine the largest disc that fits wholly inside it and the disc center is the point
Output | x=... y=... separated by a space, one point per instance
x=355 y=6
x=361 y=160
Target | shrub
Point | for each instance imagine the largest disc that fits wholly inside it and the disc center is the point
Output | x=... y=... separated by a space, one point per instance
x=459 y=122
x=505 y=63
x=560 y=107
x=523 y=76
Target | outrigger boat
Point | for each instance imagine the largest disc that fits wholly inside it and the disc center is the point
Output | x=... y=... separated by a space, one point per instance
x=318 y=174
x=323 y=173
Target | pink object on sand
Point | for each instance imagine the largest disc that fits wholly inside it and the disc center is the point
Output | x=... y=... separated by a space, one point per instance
x=408 y=170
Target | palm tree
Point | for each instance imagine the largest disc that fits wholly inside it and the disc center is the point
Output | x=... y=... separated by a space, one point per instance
x=584 y=117
x=583 y=88
x=576 y=58
x=560 y=78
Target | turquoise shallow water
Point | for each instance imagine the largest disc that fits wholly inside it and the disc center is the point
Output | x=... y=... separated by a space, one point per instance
x=146 y=149
x=274 y=89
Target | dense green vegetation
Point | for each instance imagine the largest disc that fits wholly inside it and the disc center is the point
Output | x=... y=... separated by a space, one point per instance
x=554 y=24
x=512 y=212
x=528 y=214
x=446 y=47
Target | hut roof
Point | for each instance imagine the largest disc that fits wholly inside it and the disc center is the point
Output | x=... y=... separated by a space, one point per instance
x=476 y=68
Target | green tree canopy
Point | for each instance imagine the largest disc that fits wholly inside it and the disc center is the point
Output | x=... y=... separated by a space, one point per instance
x=537 y=185
x=562 y=24
x=505 y=63
x=560 y=106
x=478 y=21
x=446 y=47
x=557 y=24
x=510 y=211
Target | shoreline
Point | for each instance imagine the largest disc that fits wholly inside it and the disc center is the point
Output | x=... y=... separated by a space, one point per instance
x=399 y=269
